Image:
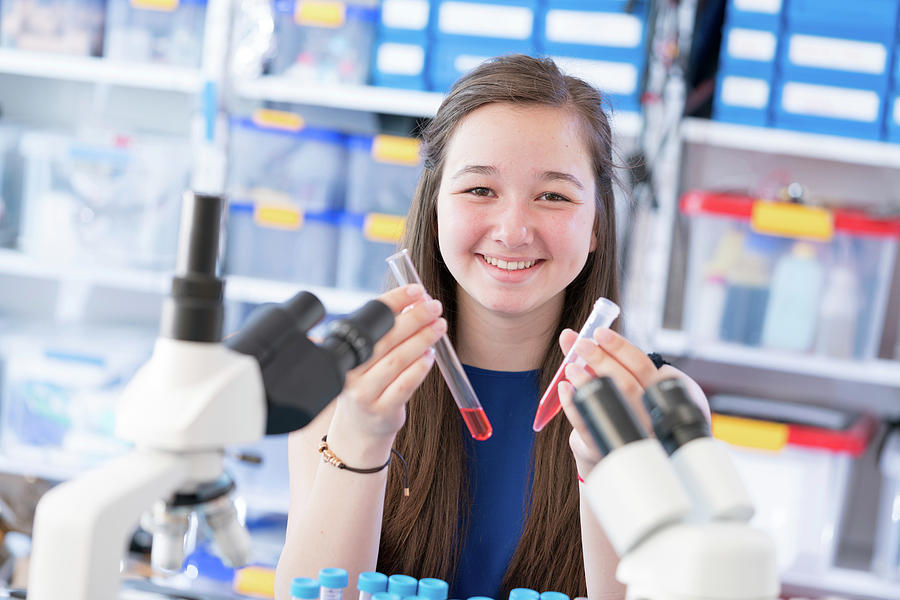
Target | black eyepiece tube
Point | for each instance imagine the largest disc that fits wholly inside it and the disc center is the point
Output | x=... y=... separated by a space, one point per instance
x=352 y=338
x=676 y=418
x=198 y=238
x=607 y=415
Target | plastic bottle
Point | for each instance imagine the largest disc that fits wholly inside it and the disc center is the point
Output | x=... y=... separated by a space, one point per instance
x=838 y=313
x=332 y=582
x=433 y=589
x=403 y=585
x=523 y=594
x=791 y=313
x=710 y=303
x=304 y=588
x=748 y=292
x=371 y=583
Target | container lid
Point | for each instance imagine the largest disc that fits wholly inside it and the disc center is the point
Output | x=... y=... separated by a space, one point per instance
x=327 y=18
x=433 y=589
x=372 y=582
x=333 y=577
x=523 y=594
x=304 y=587
x=554 y=596
x=403 y=585
x=741 y=207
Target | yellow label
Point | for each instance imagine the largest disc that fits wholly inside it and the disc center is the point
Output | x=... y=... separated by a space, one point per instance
x=278 y=119
x=158 y=5
x=750 y=433
x=396 y=150
x=792 y=220
x=275 y=210
x=255 y=581
x=383 y=228
x=320 y=13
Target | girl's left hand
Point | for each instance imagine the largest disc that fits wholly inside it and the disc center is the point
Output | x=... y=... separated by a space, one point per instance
x=609 y=355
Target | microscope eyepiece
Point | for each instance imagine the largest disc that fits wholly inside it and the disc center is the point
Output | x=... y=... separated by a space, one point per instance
x=607 y=415
x=352 y=339
x=676 y=418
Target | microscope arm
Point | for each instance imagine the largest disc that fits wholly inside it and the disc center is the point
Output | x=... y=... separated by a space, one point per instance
x=82 y=526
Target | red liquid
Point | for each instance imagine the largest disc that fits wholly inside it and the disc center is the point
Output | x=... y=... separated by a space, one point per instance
x=549 y=405
x=477 y=422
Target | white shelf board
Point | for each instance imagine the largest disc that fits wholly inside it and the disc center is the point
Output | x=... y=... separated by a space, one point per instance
x=100 y=70
x=849 y=582
x=249 y=289
x=793 y=143
x=876 y=371
x=45 y=469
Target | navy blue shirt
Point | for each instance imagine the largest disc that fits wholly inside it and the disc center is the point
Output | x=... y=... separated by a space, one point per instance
x=500 y=476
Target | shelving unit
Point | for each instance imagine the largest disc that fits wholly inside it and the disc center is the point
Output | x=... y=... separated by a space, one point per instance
x=863 y=585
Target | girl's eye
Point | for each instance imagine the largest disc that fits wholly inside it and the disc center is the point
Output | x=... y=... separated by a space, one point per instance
x=553 y=197
x=480 y=191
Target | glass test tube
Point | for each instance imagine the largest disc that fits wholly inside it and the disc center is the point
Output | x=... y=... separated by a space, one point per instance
x=448 y=362
x=604 y=313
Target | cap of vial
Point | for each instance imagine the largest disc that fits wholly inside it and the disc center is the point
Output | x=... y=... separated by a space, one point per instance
x=304 y=588
x=404 y=585
x=523 y=594
x=387 y=596
x=433 y=589
x=335 y=578
x=554 y=596
x=480 y=598
x=372 y=582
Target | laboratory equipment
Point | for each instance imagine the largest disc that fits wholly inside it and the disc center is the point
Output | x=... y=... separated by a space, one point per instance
x=602 y=315
x=194 y=397
x=433 y=589
x=641 y=502
x=304 y=588
x=523 y=594
x=332 y=581
x=402 y=585
x=371 y=583
x=554 y=596
x=469 y=407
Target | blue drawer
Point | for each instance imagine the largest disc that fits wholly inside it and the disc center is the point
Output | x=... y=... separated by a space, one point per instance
x=874 y=15
x=509 y=20
x=621 y=82
x=400 y=61
x=836 y=56
x=743 y=98
x=451 y=57
x=756 y=14
x=852 y=112
x=399 y=16
x=752 y=52
x=601 y=29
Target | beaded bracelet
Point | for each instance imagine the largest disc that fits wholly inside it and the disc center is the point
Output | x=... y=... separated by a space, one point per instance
x=331 y=458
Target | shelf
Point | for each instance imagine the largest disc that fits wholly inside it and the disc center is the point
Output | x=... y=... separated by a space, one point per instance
x=792 y=143
x=99 y=70
x=43 y=469
x=875 y=372
x=849 y=582
x=249 y=289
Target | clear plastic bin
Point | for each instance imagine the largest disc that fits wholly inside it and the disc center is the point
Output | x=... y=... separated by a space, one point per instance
x=168 y=32
x=798 y=477
x=68 y=26
x=886 y=556
x=383 y=174
x=786 y=276
x=104 y=199
x=366 y=243
x=60 y=390
x=324 y=40
x=10 y=185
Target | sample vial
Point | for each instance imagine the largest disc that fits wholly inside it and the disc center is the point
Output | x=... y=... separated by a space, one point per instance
x=433 y=589
x=523 y=594
x=554 y=596
x=304 y=588
x=387 y=596
x=371 y=583
x=403 y=585
x=332 y=582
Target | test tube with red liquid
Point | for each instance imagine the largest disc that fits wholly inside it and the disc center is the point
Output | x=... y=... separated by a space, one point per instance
x=603 y=314
x=448 y=362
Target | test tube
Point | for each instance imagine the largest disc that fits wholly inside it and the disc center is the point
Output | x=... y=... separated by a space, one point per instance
x=448 y=362
x=304 y=588
x=523 y=594
x=555 y=595
x=433 y=589
x=402 y=585
x=603 y=314
x=371 y=583
x=332 y=582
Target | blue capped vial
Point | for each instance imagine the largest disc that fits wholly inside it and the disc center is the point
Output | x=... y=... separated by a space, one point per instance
x=304 y=588
x=332 y=582
x=403 y=585
x=387 y=596
x=371 y=583
x=480 y=598
x=523 y=594
x=554 y=596
x=433 y=589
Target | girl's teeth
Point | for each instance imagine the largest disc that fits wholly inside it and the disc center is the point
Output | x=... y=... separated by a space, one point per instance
x=511 y=265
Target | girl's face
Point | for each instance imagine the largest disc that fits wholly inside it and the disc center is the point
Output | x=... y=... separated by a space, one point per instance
x=516 y=205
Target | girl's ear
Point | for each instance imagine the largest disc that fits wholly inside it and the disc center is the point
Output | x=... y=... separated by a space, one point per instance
x=593 y=241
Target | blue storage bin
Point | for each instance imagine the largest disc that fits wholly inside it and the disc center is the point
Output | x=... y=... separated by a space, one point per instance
x=818 y=108
x=452 y=57
x=756 y=14
x=148 y=31
x=329 y=42
x=621 y=82
x=743 y=98
x=837 y=56
x=600 y=29
x=893 y=118
x=870 y=15
x=400 y=60
x=367 y=240
x=751 y=52
x=510 y=20
x=383 y=173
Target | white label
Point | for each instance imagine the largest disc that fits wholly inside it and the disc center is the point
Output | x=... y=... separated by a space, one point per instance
x=745 y=92
x=831 y=53
x=897 y=111
x=612 y=77
x=832 y=102
x=400 y=59
x=771 y=7
x=594 y=28
x=466 y=62
x=488 y=20
x=751 y=44
x=405 y=14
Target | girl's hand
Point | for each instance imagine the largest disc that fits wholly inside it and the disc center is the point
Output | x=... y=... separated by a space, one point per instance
x=371 y=409
x=609 y=355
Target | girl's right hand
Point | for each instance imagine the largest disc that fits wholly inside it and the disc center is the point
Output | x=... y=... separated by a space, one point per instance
x=371 y=409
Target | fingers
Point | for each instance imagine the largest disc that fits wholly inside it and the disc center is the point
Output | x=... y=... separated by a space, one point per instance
x=628 y=355
x=400 y=297
x=422 y=312
x=403 y=386
x=566 y=338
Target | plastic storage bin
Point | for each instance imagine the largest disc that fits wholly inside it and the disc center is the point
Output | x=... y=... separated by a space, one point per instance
x=10 y=185
x=287 y=190
x=68 y=26
x=402 y=46
x=103 y=199
x=367 y=240
x=452 y=58
x=798 y=477
x=886 y=555
x=601 y=30
x=324 y=40
x=860 y=15
x=512 y=20
x=754 y=14
x=786 y=276
x=168 y=32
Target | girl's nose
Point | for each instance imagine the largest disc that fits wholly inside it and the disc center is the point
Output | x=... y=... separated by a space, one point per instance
x=512 y=228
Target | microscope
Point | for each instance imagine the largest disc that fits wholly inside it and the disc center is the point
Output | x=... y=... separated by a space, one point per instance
x=195 y=396
x=673 y=506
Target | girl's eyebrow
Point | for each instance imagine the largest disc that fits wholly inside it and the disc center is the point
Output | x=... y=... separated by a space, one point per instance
x=475 y=170
x=559 y=176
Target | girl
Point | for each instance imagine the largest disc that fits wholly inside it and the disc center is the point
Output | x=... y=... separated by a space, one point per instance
x=512 y=230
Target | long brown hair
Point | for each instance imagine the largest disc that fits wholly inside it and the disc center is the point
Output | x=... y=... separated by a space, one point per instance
x=422 y=534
